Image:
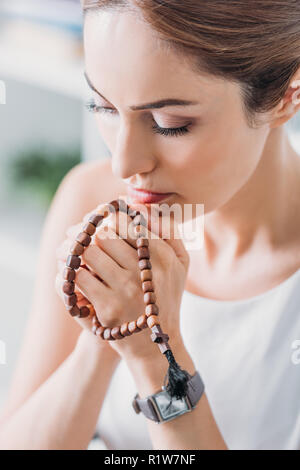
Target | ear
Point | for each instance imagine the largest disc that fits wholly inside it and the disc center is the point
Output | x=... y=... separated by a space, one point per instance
x=288 y=106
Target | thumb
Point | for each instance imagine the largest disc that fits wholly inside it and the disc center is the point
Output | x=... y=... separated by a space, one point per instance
x=176 y=243
x=166 y=227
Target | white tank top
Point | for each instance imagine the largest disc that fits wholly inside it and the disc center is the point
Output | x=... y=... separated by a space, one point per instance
x=243 y=350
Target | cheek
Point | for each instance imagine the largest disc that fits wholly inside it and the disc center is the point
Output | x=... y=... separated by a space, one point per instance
x=218 y=160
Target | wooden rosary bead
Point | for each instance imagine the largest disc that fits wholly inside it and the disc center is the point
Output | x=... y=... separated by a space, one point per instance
x=142 y=242
x=89 y=228
x=114 y=204
x=143 y=253
x=95 y=219
x=146 y=275
x=69 y=274
x=100 y=331
x=69 y=307
x=123 y=207
x=84 y=311
x=150 y=317
x=73 y=261
x=147 y=286
x=150 y=298
x=132 y=327
x=92 y=310
x=158 y=336
x=74 y=311
x=139 y=231
x=77 y=249
x=70 y=300
x=142 y=322
x=124 y=329
x=115 y=332
x=139 y=219
x=145 y=264
x=163 y=347
x=107 y=334
x=133 y=212
x=152 y=321
x=83 y=238
x=151 y=309
x=68 y=287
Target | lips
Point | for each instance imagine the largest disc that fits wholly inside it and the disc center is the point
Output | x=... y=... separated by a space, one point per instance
x=144 y=196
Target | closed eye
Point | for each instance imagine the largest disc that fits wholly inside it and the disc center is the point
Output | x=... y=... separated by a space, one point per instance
x=165 y=131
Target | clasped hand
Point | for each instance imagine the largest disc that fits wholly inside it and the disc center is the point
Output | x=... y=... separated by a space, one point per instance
x=110 y=278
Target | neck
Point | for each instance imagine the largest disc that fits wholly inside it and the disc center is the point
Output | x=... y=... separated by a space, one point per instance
x=265 y=209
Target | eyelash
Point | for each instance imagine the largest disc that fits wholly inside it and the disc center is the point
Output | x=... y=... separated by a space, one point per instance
x=165 y=131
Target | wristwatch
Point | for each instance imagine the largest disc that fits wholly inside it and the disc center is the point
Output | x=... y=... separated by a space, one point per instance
x=160 y=408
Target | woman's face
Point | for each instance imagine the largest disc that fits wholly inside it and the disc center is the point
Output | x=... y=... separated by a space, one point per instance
x=214 y=153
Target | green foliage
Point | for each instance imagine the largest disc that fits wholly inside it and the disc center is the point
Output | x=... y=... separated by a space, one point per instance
x=38 y=171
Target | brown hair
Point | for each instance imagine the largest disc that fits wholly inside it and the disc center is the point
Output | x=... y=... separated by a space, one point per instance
x=253 y=42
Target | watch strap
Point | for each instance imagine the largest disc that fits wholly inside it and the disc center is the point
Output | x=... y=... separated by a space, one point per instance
x=145 y=406
x=195 y=389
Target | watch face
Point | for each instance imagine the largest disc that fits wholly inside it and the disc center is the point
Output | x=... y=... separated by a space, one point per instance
x=167 y=409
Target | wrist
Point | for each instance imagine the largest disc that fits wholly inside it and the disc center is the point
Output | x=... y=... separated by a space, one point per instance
x=92 y=346
x=149 y=371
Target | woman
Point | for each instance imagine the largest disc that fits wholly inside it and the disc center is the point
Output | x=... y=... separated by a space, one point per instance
x=234 y=303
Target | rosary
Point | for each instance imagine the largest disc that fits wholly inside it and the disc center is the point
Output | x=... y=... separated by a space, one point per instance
x=177 y=378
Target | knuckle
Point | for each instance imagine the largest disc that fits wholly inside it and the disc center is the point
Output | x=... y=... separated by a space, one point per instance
x=116 y=308
x=111 y=315
x=102 y=232
x=169 y=257
x=90 y=252
x=129 y=276
x=80 y=275
x=105 y=232
x=131 y=289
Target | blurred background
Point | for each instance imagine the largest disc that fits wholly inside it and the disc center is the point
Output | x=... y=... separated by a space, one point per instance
x=45 y=130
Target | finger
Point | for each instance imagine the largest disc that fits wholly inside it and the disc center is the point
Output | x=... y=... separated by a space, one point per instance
x=117 y=248
x=59 y=281
x=93 y=289
x=165 y=226
x=87 y=322
x=102 y=264
x=102 y=208
x=61 y=264
x=176 y=243
x=119 y=222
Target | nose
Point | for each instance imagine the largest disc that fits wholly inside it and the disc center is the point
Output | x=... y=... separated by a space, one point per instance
x=132 y=153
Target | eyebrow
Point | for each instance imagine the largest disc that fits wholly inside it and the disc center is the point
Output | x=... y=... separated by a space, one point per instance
x=153 y=105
